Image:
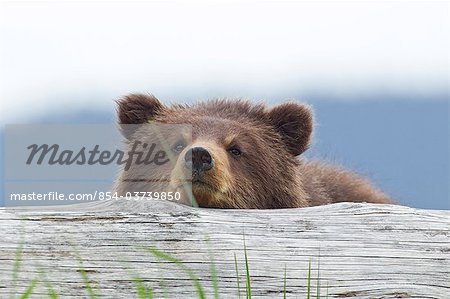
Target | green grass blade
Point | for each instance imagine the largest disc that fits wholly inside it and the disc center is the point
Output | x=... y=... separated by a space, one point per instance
x=30 y=288
x=284 y=286
x=167 y=257
x=308 y=296
x=142 y=291
x=17 y=261
x=237 y=277
x=16 y=268
x=87 y=283
x=247 y=273
x=51 y=293
x=140 y=288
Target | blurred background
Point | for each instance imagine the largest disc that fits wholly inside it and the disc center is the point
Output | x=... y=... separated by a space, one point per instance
x=376 y=73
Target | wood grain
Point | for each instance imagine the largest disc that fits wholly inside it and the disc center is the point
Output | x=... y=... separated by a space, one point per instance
x=366 y=250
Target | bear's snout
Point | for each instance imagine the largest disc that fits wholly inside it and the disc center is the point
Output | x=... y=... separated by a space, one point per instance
x=198 y=159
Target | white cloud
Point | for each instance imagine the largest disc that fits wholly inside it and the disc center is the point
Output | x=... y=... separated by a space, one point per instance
x=55 y=54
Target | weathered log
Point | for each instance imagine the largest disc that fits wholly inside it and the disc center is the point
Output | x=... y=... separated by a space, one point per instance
x=364 y=250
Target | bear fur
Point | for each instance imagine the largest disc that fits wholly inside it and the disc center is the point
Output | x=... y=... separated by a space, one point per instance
x=256 y=152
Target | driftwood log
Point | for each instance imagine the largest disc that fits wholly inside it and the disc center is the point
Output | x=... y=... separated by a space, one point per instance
x=364 y=250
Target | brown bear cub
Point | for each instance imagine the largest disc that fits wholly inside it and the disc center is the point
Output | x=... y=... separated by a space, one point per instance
x=239 y=155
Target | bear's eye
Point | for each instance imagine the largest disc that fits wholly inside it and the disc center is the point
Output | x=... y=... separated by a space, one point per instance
x=178 y=148
x=235 y=151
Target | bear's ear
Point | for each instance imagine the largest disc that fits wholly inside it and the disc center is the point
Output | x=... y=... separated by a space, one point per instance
x=294 y=122
x=135 y=109
x=138 y=108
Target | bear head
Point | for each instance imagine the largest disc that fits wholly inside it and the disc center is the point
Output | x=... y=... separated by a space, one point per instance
x=235 y=154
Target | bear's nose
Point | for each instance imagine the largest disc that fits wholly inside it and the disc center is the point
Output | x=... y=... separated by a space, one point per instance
x=198 y=159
